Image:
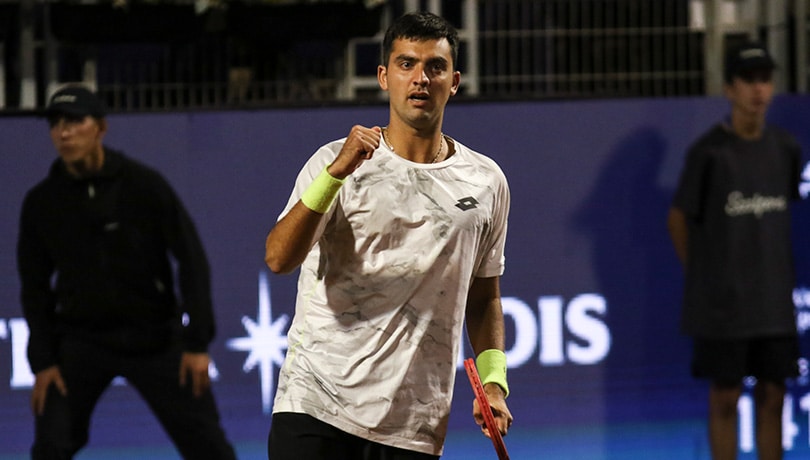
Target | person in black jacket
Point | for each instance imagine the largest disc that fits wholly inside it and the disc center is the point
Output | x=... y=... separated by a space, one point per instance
x=99 y=238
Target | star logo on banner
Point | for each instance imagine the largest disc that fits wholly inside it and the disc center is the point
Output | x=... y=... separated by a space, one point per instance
x=266 y=342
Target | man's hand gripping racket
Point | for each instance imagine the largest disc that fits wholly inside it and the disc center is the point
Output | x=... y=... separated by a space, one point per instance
x=486 y=410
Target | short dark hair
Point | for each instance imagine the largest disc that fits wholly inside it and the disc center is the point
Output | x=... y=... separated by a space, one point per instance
x=420 y=25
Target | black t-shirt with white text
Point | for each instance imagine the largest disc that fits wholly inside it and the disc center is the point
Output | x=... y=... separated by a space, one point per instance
x=735 y=194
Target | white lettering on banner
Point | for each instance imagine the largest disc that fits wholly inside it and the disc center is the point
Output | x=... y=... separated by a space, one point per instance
x=21 y=375
x=745 y=405
x=525 y=331
x=17 y=330
x=745 y=411
x=573 y=332
x=804 y=186
x=801 y=298
x=747 y=430
x=789 y=428
x=583 y=319
x=804 y=404
x=266 y=340
x=551 y=331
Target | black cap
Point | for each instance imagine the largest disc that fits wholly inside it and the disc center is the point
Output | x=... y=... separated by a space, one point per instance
x=745 y=58
x=75 y=100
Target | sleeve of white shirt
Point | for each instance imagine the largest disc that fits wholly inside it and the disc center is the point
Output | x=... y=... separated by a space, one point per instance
x=493 y=261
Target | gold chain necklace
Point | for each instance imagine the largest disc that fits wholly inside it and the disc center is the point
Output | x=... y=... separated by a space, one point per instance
x=390 y=147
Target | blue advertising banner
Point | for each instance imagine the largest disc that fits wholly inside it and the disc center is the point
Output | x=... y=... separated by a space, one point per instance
x=597 y=366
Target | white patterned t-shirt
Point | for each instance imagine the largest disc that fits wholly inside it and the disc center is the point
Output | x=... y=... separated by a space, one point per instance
x=381 y=297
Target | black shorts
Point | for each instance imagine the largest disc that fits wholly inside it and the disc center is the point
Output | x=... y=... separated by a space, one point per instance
x=296 y=436
x=728 y=361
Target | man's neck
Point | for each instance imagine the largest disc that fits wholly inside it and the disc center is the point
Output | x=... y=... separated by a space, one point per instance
x=422 y=146
x=748 y=127
x=88 y=165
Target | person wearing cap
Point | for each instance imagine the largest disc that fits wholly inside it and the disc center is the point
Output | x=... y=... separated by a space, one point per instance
x=730 y=225
x=98 y=238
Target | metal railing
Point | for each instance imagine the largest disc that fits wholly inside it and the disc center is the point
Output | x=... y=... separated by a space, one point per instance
x=511 y=49
x=611 y=48
x=589 y=49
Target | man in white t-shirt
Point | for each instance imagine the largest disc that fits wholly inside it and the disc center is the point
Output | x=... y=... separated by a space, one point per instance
x=399 y=232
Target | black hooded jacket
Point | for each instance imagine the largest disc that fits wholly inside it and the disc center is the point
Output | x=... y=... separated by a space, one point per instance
x=96 y=257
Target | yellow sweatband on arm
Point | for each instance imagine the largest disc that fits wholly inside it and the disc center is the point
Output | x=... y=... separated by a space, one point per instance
x=322 y=192
x=491 y=366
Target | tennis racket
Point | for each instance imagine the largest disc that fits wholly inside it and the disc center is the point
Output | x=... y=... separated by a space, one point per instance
x=486 y=410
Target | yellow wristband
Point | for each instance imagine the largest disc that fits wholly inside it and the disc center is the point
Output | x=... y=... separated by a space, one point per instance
x=322 y=192
x=491 y=366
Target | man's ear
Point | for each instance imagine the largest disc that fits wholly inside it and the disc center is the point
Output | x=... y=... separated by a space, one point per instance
x=382 y=77
x=456 y=83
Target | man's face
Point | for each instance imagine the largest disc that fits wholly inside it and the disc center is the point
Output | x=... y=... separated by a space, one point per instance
x=420 y=78
x=77 y=139
x=751 y=93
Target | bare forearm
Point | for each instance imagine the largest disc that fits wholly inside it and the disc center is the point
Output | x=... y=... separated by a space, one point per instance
x=487 y=331
x=291 y=239
x=289 y=242
x=485 y=325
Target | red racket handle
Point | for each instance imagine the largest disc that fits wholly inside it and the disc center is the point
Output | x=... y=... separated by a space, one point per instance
x=486 y=410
